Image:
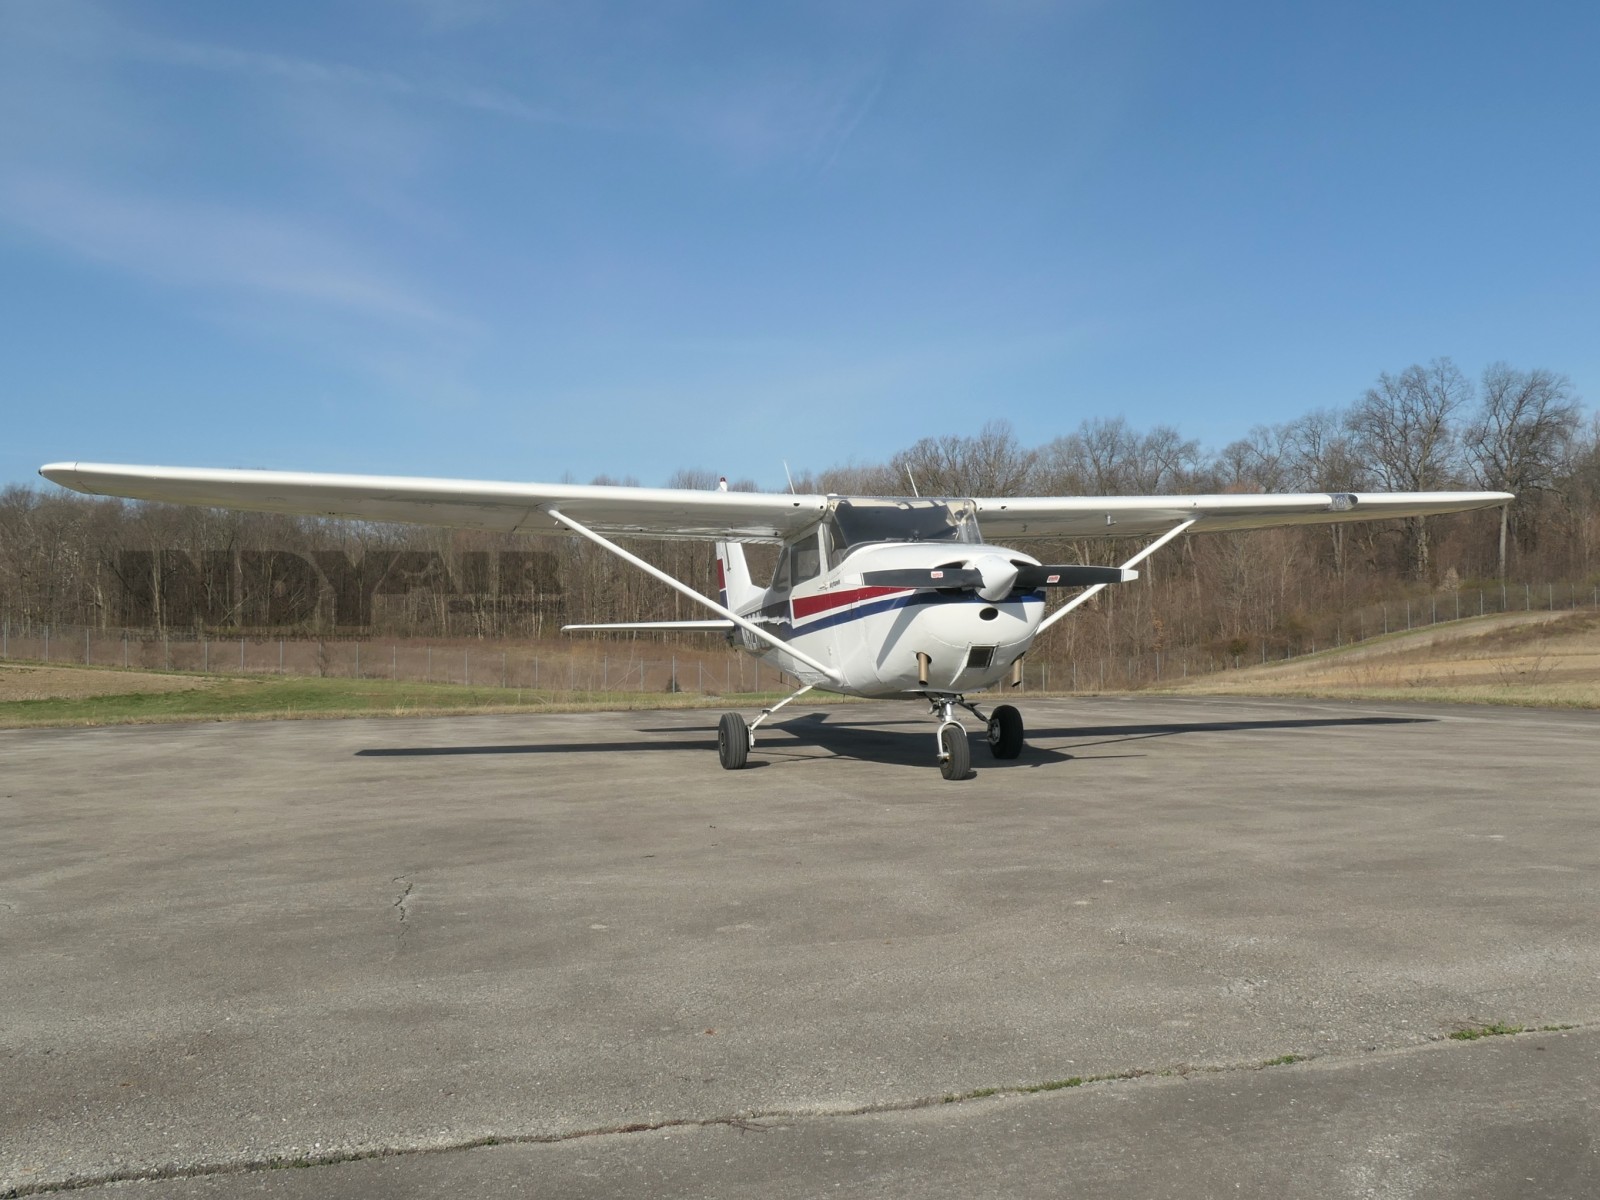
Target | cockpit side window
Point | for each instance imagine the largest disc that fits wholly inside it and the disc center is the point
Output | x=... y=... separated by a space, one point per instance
x=806 y=559
x=798 y=562
x=837 y=546
x=780 y=573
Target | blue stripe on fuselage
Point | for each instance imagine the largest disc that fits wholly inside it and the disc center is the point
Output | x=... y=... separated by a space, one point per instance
x=890 y=603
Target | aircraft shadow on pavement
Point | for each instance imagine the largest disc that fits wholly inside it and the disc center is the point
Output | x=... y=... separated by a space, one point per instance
x=877 y=742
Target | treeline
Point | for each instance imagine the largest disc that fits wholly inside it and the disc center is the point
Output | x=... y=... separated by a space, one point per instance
x=72 y=560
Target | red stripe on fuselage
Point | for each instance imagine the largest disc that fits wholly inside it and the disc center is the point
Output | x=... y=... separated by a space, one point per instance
x=810 y=606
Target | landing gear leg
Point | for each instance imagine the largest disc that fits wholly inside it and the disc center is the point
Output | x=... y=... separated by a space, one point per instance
x=955 y=752
x=735 y=739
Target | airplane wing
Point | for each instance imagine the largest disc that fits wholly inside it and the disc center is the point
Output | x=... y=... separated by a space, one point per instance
x=1005 y=519
x=706 y=515
x=459 y=503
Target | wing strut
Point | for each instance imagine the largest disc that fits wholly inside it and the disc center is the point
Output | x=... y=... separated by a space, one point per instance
x=749 y=626
x=1134 y=561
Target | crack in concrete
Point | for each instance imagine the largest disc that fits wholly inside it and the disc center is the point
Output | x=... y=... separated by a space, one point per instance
x=400 y=901
x=745 y=1122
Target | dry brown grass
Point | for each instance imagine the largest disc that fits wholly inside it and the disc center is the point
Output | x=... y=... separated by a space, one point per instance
x=76 y=683
x=1518 y=658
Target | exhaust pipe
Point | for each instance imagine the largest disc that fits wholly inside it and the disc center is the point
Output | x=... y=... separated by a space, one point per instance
x=1016 y=670
x=923 y=662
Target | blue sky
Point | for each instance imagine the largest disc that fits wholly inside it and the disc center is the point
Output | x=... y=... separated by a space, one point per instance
x=534 y=240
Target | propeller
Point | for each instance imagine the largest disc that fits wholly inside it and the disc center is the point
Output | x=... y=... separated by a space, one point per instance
x=995 y=578
x=924 y=577
x=1031 y=576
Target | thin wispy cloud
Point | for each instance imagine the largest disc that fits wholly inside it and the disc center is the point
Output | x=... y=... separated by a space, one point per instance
x=232 y=61
x=207 y=246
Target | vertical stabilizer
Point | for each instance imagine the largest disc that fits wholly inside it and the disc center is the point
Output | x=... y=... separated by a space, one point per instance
x=734 y=587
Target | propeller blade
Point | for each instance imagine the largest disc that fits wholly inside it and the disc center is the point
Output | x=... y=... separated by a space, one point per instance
x=924 y=577
x=1029 y=576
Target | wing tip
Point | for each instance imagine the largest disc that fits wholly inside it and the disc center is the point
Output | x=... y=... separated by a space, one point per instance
x=64 y=473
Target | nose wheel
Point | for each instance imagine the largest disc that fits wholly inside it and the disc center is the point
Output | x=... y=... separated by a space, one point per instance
x=955 y=752
x=1003 y=726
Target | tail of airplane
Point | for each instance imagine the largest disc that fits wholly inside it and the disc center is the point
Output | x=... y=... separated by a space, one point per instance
x=734 y=586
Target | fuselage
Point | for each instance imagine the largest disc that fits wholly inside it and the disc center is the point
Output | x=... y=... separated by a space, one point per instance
x=873 y=636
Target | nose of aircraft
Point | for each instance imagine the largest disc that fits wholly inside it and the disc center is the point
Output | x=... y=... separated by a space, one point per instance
x=999 y=575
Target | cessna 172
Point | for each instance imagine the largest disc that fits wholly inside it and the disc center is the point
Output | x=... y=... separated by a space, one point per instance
x=876 y=596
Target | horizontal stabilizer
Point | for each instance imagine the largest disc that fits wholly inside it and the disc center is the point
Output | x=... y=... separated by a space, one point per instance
x=718 y=625
x=1029 y=576
x=924 y=577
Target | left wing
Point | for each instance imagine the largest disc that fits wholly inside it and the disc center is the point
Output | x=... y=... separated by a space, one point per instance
x=459 y=503
x=1007 y=519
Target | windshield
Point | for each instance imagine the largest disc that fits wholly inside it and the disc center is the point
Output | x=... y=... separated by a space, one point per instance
x=871 y=520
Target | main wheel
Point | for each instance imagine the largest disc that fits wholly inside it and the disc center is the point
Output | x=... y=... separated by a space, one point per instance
x=733 y=741
x=956 y=754
x=1005 y=732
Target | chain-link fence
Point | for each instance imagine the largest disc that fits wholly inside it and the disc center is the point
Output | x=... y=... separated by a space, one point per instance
x=603 y=666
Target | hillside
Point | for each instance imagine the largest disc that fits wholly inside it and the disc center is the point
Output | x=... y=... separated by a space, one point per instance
x=1512 y=658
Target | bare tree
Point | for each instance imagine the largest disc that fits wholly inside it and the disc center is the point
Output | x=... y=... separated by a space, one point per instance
x=991 y=463
x=1521 y=434
x=1107 y=457
x=1402 y=430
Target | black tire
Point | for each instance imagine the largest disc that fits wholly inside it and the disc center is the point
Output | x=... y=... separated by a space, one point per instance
x=733 y=741
x=956 y=751
x=1005 y=732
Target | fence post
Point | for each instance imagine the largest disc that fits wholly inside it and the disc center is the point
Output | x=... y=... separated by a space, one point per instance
x=674 y=674
x=205 y=653
x=1527 y=597
x=241 y=656
x=124 y=647
x=5 y=640
x=47 y=643
x=86 y=631
x=358 y=660
x=430 y=664
x=394 y=662
x=466 y=674
x=502 y=668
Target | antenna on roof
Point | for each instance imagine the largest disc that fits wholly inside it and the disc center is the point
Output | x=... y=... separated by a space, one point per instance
x=788 y=476
x=912 y=482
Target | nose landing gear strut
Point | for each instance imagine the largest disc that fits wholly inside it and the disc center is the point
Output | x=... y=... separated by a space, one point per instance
x=1003 y=726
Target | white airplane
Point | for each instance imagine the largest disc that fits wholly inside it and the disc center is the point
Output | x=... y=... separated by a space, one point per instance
x=873 y=596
